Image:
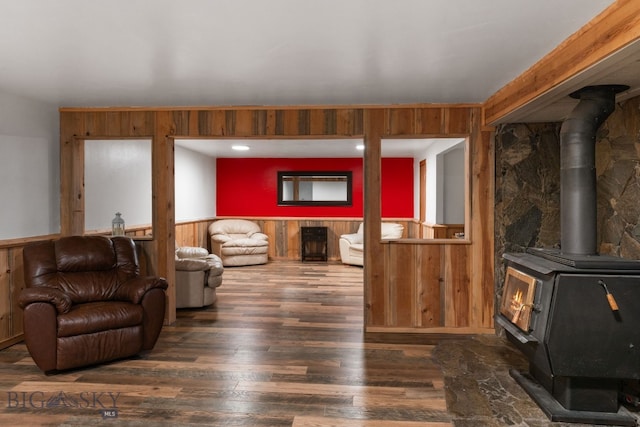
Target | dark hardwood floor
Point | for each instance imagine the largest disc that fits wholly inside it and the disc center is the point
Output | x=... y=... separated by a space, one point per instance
x=283 y=346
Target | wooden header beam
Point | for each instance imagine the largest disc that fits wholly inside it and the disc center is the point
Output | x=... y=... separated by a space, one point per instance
x=616 y=27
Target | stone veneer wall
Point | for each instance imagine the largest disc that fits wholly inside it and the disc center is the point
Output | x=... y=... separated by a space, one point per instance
x=527 y=211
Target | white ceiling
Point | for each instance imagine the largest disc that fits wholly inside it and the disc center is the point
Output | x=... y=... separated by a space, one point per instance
x=276 y=52
x=80 y=53
x=315 y=148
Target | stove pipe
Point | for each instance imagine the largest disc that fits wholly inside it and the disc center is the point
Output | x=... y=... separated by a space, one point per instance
x=578 y=212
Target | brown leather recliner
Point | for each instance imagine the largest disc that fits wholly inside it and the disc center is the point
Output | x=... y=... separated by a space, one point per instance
x=86 y=303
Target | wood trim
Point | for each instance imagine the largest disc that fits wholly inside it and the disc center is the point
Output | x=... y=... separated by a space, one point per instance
x=270 y=110
x=163 y=209
x=376 y=291
x=436 y=330
x=613 y=29
x=26 y=240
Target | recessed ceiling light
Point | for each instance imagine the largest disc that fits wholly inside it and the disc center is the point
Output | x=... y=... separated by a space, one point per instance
x=360 y=147
x=240 y=147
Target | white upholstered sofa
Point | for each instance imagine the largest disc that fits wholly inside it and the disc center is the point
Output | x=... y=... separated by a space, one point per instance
x=239 y=242
x=198 y=274
x=352 y=245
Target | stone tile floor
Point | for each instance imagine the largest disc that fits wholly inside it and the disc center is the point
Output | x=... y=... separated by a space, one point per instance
x=480 y=391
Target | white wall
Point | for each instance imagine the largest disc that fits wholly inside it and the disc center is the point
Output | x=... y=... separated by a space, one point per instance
x=195 y=185
x=440 y=192
x=117 y=178
x=29 y=167
x=453 y=183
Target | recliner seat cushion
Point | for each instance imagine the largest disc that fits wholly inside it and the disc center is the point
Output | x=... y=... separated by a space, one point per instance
x=245 y=242
x=99 y=316
x=244 y=250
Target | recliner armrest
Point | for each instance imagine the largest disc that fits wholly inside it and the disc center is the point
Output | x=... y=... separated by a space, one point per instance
x=56 y=297
x=354 y=238
x=259 y=236
x=220 y=238
x=191 y=264
x=191 y=252
x=134 y=289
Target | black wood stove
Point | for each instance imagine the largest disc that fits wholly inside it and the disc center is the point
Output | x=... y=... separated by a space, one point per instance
x=573 y=313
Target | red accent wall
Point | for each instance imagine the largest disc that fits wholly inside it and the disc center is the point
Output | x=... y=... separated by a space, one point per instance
x=396 y=187
x=248 y=187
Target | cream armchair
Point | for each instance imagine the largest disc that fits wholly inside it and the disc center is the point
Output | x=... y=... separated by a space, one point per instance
x=239 y=242
x=352 y=245
x=198 y=274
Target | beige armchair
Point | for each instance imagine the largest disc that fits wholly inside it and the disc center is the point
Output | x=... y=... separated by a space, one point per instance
x=352 y=245
x=198 y=274
x=239 y=242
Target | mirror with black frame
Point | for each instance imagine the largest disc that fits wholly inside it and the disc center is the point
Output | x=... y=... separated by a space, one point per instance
x=314 y=188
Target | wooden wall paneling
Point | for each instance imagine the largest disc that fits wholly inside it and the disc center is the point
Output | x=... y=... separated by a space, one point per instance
x=77 y=171
x=293 y=239
x=260 y=123
x=457 y=283
x=279 y=248
x=17 y=285
x=374 y=283
x=71 y=124
x=482 y=229
x=6 y=307
x=244 y=124
x=271 y=122
x=203 y=235
x=349 y=122
x=334 y=231
x=11 y=283
x=290 y=123
x=304 y=122
x=400 y=121
x=402 y=282
x=430 y=120
x=268 y=227
x=96 y=121
x=330 y=121
x=163 y=207
x=187 y=235
x=459 y=121
x=317 y=122
x=194 y=123
x=278 y=129
x=202 y=123
x=180 y=233
x=212 y=123
x=118 y=123
x=429 y=278
x=230 y=122
x=181 y=123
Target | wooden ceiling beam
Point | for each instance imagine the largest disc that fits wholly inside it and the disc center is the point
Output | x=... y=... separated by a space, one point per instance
x=613 y=29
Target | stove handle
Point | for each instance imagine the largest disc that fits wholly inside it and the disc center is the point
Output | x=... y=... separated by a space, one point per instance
x=610 y=299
